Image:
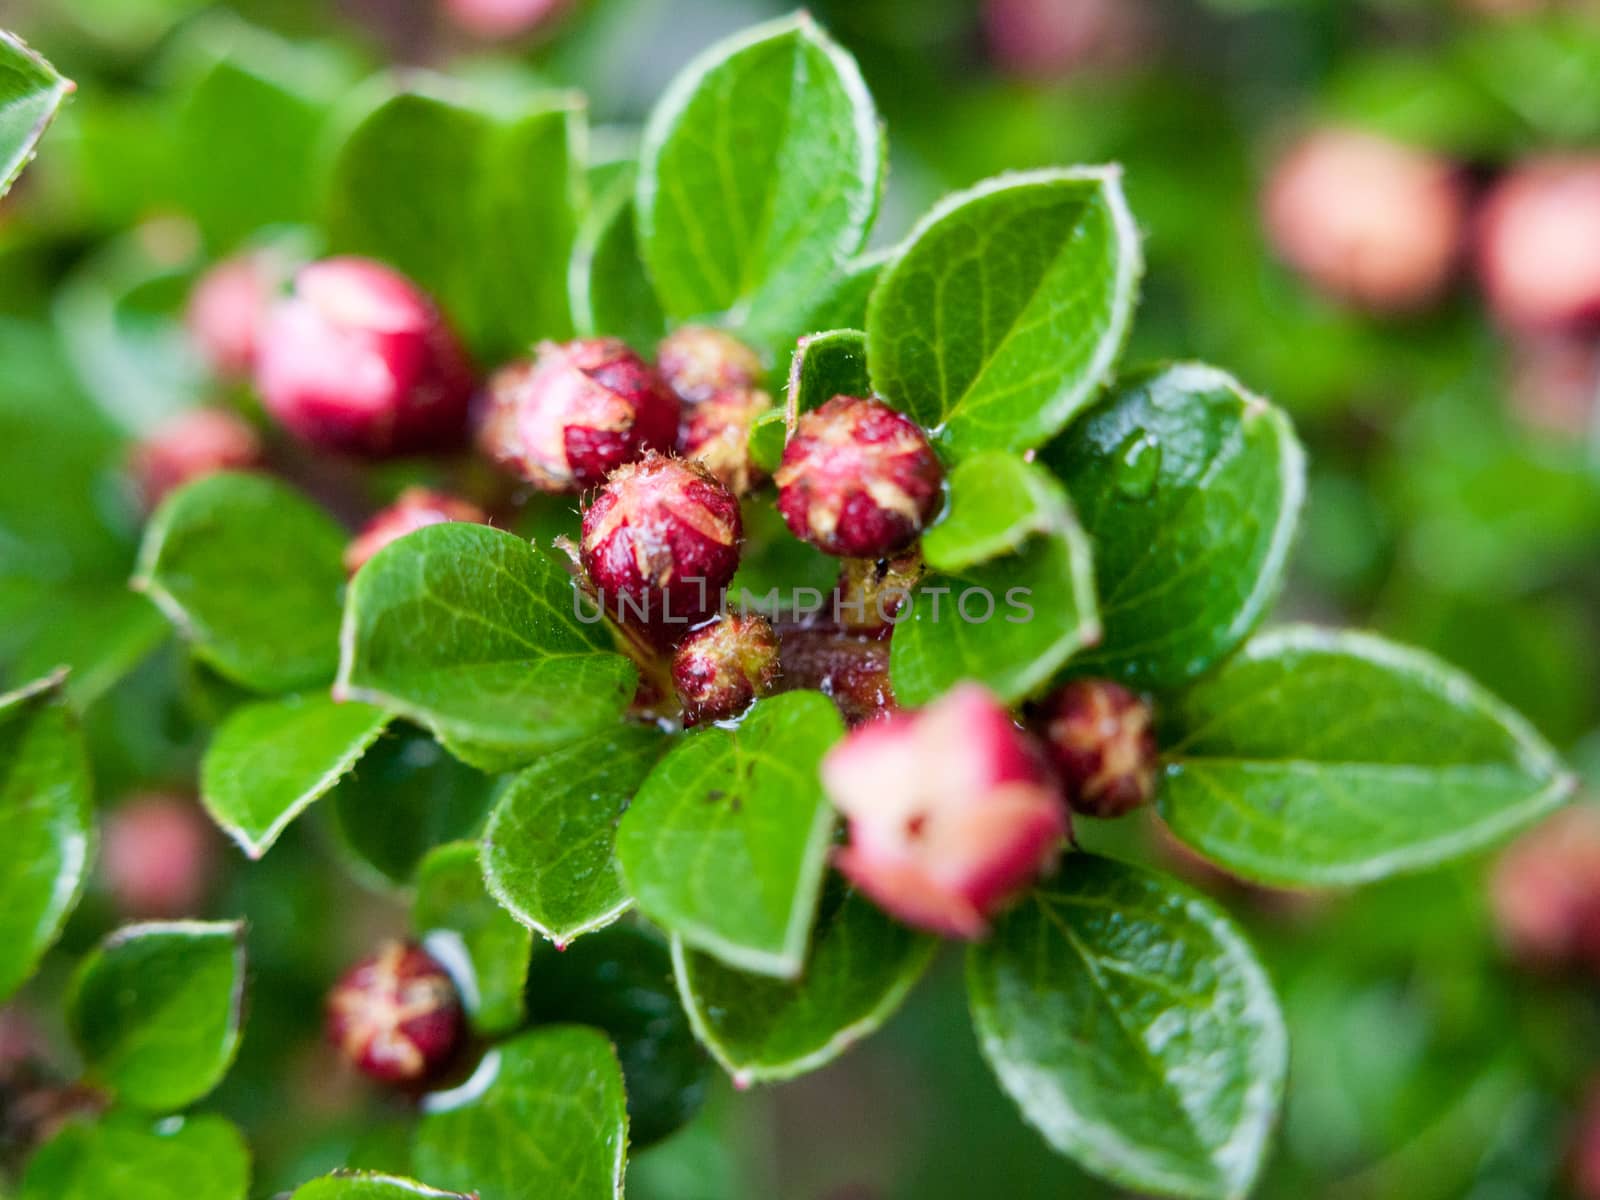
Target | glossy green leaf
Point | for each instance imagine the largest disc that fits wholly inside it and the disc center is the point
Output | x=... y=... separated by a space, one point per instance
x=99 y=635
x=620 y=982
x=768 y=435
x=826 y=365
x=155 y=1010
x=1005 y=312
x=549 y=852
x=1191 y=489
x=1016 y=598
x=45 y=823
x=861 y=966
x=544 y=1115
x=405 y=797
x=30 y=94
x=474 y=633
x=365 y=1185
x=269 y=762
x=250 y=572
x=844 y=304
x=759 y=178
x=479 y=207
x=464 y=928
x=1131 y=1022
x=726 y=843
x=611 y=294
x=1330 y=759
x=130 y=1157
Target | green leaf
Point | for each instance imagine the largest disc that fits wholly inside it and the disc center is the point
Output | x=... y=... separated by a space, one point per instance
x=479 y=207
x=98 y=635
x=269 y=761
x=549 y=852
x=620 y=982
x=759 y=178
x=45 y=824
x=250 y=572
x=30 y=94
x=1318 y=758
x=844 y=304
x=406 y=797
x=726 y=843
x=768 y=434
x=611 y=294
x=366 y=1185
x=544 y=1115
x=473 y=633
x=464 y=928
x=1130 y=1021
x=155 y=1010
x=1191 y=489
x=1005 y=312
x=1016 y=597
x=130 y=1157
x=861 y=967
x=826 y=365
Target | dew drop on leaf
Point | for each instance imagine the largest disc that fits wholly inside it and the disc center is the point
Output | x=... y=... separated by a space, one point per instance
x=1140 y=456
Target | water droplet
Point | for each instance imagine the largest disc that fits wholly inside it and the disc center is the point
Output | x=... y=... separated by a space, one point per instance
x=1140 y=458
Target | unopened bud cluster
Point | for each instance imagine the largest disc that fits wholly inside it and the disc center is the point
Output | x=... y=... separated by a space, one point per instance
x=397 y=1016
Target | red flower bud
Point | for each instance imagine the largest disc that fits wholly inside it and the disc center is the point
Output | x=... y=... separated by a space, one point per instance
x=951 y=811
x=581 y=410
x=871 y=592
x=397 y=1016
x=716 y=432
x=720 y=670
x=1538 y=245
x=1047 y=39
x=1098 y=736
x=858 y=479
x=416 y=508
x=852 y=670
x=359 y=361
x=192 y=444
x=1545 y=892
x=495 y=19
x=660 y=542
x=698 y=362
x=1367 y=220
x=158 y=857
x=228 y=309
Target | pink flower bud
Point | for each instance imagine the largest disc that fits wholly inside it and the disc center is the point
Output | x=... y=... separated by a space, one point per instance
x=1538 y=245
x=720 y=670
x=858 y=479
x=660 y=542
x=360 y=362
x=581 y=410
x=499 y=19
x=1545 y=892
x=1098 y=736
x=158 y=857
x=951 y=812
x=228 y=309
x=698 y=362
x=397 y=1016
x=1047 y=39
x=416 y=508
x=1367 y=220
x=192 y=444
x=716 y=432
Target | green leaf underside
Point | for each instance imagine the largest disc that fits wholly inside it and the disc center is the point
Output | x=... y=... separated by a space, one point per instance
x=1319 y=758
x=1191 y=489
x=30 y=94
x=549 y=852
x=726 y=843
x=155 y=1010
x=544 y=1116
x=611 y=294
x=860 y=967
x=487 y=951
x=1131 y=1022
x=1008 y=620
x=472 y=632
x=269 y=761
x=250 y=572
x=440 y=189
x=129 y=1157
x=826 y=365
x=1005 y=312
x=45 y=822
x=365 y=1185
x=759 y=178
